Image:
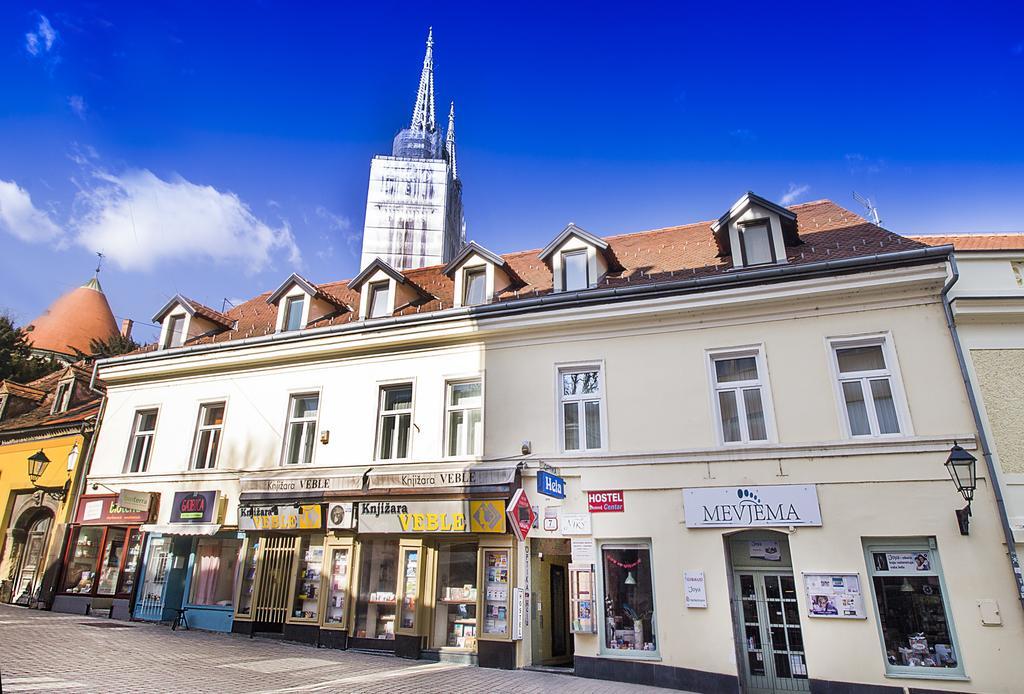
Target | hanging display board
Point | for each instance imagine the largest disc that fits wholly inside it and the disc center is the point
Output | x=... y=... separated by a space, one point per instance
x=834 y=595
x=581 y=599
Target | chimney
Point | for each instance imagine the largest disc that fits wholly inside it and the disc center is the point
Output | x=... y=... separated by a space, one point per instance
x=126 y=328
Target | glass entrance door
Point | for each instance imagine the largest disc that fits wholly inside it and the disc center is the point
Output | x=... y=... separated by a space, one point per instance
x=31 y=562
x=772 y=639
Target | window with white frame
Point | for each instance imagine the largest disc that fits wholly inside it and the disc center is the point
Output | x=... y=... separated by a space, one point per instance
x=380 y=297
x=293 y=307
x=581 y=394
x=464 y=414
x=63 y=397
x=208 y=434
x=756 y=242
x=301 y=432
x=175 y=331
x=740 y=396
x=140 y=446
x=867 y=387
x=393 y=430
x=575 y=274
x=475 y=287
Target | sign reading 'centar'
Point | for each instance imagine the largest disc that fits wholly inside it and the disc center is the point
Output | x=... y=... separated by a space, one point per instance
x=745 y=507
x=413 y=517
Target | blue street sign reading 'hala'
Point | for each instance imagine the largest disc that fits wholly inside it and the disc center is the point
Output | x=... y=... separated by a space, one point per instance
x=550 y=485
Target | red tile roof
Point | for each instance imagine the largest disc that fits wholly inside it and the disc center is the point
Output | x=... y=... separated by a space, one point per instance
x=81 y=409
x=829 y=232
x=975 y=242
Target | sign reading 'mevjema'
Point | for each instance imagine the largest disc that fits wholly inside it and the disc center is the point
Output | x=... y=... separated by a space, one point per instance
x=752 y=507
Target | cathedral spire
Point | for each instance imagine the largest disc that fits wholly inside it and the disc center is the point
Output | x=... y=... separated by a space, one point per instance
x=423 y=117
x=449 y=141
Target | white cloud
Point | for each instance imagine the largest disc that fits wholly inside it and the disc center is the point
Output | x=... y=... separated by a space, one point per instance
x=138 y=220
x=22 y=219
x=743 y=134
x=77 y=104
x=42 y=39
x=794 y=193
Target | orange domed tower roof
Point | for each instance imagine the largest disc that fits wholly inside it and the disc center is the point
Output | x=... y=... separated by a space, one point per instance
x=73 y=321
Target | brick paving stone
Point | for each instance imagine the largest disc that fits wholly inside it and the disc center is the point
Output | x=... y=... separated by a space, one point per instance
x=53 y=652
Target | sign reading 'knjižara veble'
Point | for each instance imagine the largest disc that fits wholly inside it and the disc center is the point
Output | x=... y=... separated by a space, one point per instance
x=752 y=507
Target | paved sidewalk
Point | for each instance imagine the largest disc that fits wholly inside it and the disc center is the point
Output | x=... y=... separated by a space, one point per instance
x=53 y=652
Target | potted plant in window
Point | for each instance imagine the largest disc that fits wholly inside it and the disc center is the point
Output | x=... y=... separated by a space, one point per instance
x=638 y=625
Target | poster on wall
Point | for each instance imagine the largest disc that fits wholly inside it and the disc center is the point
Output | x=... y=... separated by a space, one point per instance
x=834 y=595
x=767 y=550
x=903 y=561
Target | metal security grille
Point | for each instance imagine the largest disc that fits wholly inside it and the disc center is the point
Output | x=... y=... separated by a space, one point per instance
x=271 y=604
x=771 y=637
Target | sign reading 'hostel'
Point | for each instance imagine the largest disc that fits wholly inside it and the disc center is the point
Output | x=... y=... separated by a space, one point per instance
x=752 y=507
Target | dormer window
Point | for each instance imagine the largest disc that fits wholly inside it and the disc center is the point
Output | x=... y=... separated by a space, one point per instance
x=293 y=307
x=175 y=332
x=474 y=284
x=574 y=270
x=756 y=242
x=380 y=299
x=63 y=398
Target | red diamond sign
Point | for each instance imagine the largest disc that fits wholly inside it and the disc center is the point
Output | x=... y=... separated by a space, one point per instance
x=520 y=514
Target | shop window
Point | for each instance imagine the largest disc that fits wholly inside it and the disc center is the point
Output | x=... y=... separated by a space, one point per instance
x=158 y=563
x=455 y=621
x=867 y=386
x=306 y=604
x=913 y=612
x=133 y=553
x=582 y=392
x=110 y=565
x=213 y=574
x=140 y=447
x=247 y=577
x=740 y=396
x=497 y=591
x=80 y=573
x=475 y=292
x=302 y=416
x=208 y=433
x=575 y=273
x=395 y=421
x=629 y=616
x=465 y=430
x=378 y=579
x=336 y=608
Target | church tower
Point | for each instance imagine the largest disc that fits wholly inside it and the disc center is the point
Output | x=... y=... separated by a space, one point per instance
x=414 y=202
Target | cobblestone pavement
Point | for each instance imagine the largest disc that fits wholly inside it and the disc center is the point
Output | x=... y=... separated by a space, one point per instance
x=53 y=652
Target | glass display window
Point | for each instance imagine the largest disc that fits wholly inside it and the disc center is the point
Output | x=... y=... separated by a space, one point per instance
x=308 y=579
x=110 y=564
x=338 y=575
x=628 y=587
x=455 y=610
x=496 y=565
x=83 y=556
x=411 y=554
x=913 y=611
x=247 y=577
x=378 y=583
x=214 y=572
x=154 y=579
x=133 y=553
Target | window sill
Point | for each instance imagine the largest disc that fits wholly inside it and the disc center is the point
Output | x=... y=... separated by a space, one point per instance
x=646 y=656
x=952 y=677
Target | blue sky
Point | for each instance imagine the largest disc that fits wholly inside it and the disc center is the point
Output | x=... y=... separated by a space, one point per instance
x=212 y=148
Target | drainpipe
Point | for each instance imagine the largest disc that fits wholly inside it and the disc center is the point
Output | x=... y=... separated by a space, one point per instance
x=979 y=423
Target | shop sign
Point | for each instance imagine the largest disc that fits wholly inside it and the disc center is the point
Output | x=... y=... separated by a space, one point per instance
x=902 y=561
x=303 y=484
x=104 y=510
x=521 y=514
x=606 y=501
x=194 y=507
x=280 y=517
x=550 y=485
x=427 y=479
x=134 y=501
x=575 y=523
x=341 y=516
x=487 y=516
x=412 y=517
x=746 y=507
x=696 y=592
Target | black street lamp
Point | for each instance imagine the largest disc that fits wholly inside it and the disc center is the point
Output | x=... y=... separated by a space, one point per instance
x=37 y=463
x=962 y=467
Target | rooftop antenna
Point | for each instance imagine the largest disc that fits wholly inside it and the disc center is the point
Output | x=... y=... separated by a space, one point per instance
x=869 y=205
x=99 y=262
x=224 y=305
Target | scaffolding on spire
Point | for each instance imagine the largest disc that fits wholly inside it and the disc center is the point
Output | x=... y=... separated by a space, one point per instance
x=421 y=140
x=449 y=141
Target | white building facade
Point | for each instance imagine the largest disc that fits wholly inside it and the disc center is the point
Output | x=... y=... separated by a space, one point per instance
x=708 y=457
